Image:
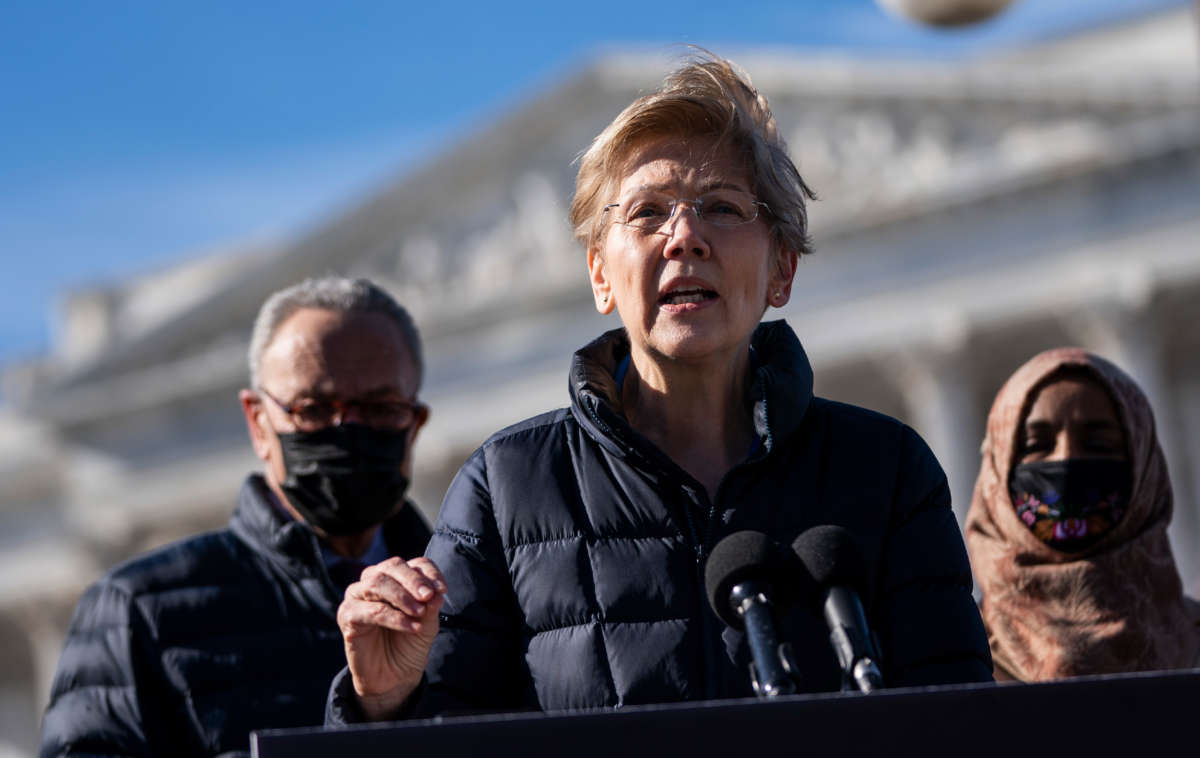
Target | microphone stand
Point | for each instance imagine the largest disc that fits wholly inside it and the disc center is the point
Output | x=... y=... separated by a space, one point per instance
x=770 y=672
x=855 y=652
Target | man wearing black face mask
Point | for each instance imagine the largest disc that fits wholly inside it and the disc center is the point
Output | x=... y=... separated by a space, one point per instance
x=186 y=650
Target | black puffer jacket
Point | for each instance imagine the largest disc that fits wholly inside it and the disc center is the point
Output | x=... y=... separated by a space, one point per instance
x=573 y=550
x=182 y=652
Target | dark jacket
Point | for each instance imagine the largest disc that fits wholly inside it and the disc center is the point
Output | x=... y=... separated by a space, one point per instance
x=574 y=551
x=184 y=651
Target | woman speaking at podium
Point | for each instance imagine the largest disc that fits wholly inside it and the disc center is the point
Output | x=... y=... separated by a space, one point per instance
x=566 y=567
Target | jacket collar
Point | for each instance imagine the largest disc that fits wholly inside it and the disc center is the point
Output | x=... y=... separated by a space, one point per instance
x=779 y=393
x=287 y=544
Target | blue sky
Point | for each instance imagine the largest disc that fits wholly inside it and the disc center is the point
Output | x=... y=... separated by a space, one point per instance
x=135 y=134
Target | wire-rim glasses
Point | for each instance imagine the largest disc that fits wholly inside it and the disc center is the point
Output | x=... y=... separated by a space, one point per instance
x=651 y=210
x=311 y=414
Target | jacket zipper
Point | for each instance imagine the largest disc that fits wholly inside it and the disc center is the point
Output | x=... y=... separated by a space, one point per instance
x=701 y=548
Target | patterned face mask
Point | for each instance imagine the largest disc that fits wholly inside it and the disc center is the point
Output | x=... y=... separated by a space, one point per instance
x=1071 y=504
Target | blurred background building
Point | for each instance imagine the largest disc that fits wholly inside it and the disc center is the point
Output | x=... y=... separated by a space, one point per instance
x=971 y=214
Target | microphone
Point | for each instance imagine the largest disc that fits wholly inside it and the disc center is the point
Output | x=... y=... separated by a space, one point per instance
x=835 y=564
x=738 y=579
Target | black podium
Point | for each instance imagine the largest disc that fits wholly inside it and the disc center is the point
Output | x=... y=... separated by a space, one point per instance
x=1134 y=715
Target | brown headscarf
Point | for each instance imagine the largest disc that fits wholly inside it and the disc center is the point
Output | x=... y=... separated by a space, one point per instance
x=1118 y=605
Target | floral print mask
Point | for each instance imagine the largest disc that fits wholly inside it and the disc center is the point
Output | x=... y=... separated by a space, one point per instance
x=1070 y=504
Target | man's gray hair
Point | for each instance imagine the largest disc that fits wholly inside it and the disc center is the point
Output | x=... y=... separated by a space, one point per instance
x=331 y=293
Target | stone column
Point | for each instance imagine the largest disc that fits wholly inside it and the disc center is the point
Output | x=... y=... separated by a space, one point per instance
x=20 y=707
x=937 y=383
x=31 y=637
x=45 y=624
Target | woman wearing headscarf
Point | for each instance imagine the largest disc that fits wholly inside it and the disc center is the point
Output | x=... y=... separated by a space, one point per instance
x=1067 y=529
x=567 y=566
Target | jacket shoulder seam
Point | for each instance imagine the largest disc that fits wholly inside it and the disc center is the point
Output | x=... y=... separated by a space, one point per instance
x=537 y=423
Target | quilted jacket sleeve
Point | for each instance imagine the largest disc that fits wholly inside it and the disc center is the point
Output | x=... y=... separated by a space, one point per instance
x=477 y=662
x=928 y=624
x=95 y=708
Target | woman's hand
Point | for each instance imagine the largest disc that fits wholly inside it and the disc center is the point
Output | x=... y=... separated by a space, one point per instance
x=388 y=621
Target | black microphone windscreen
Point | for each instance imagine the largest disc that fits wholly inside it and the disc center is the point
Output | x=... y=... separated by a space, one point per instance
x=831 y=556
x=737 y=558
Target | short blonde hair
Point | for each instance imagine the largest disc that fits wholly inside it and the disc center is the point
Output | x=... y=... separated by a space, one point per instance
x=707 y=97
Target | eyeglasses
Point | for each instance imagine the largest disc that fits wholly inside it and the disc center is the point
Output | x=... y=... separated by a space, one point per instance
x=649 y=211
x=309 y=414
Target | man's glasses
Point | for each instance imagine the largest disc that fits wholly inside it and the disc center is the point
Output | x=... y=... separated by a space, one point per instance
x=649 y=211
x=309 y=415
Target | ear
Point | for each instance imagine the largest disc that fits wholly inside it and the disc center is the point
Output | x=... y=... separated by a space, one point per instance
x=779 y=283
x=256 y=423
x=601 y=286
x=414 y=430
x=421 y=418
